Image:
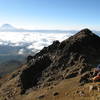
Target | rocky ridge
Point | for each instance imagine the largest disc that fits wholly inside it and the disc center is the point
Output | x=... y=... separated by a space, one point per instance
x=75 y=56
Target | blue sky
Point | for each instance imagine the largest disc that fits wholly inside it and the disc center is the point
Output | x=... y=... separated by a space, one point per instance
x=51 y=14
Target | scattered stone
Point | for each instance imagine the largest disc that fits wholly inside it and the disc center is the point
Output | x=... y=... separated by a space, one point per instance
x=98 y=89
x=91 y=88
x=66 y=94
x=55 y=93
x=41 y=96
x=81 y=93
x=51 y=87
x=77 y=91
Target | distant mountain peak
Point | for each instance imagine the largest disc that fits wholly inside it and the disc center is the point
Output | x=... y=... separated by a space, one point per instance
x=7 y=27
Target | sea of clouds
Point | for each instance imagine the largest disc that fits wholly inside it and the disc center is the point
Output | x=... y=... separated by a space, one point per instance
x=31 y=40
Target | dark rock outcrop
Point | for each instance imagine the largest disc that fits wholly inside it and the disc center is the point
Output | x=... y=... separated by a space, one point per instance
x=30 y=76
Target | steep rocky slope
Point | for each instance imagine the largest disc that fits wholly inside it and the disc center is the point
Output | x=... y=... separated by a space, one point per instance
x=73 y=57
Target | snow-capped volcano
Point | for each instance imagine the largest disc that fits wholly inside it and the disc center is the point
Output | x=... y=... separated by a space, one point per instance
x=7 y=27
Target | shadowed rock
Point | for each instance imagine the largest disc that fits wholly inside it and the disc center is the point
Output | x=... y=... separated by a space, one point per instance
x=30 y=75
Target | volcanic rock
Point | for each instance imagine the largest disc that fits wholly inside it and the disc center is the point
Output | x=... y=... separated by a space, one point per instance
x=74 y=56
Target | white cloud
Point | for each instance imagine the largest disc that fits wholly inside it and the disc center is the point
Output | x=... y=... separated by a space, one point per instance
x=21 y=52
x=33 y=40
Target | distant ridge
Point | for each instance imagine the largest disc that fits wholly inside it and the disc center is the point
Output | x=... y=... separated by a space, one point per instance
x=11 y=28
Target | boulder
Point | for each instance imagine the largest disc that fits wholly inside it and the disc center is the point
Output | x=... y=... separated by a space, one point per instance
x=55 y=93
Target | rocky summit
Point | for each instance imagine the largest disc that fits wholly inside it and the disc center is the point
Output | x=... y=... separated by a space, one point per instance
x=70 y=59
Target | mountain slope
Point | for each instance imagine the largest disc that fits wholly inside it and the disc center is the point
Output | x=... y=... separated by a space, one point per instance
x=57 y=63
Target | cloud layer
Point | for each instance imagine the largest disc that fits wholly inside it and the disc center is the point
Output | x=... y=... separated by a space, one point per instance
x=30 y=40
